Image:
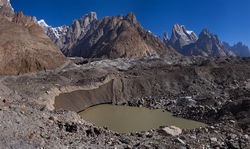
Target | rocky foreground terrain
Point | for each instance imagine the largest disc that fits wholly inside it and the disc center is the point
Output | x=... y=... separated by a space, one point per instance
x=211 y=90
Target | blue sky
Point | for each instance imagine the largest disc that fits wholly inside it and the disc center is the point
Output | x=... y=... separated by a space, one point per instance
x=230 y=19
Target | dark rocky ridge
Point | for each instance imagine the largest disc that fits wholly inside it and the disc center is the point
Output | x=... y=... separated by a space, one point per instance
x=119 y=36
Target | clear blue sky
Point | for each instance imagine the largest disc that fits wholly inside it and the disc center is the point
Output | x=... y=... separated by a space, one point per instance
x=230 y=19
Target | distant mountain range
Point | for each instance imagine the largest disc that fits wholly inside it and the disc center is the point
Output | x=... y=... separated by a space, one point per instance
x=110 y=37
x=238 y=49
x=123 y=36
x=207 y=44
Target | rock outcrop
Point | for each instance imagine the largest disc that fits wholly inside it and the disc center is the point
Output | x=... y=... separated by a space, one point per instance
x=25 y=48
x=207 y=45
x=181 y=37
x=238 y=49
x=119 y=36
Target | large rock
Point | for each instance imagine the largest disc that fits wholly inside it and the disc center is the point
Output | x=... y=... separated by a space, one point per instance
x=186 y=101
x=119 y=36
x=25 y=48
x=171 y=131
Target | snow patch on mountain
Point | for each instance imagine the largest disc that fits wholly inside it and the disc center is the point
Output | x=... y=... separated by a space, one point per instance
x=42 y=23
x=189 y=32
x=54 y=33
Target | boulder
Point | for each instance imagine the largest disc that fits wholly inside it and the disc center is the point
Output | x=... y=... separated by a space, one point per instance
x=171 y=131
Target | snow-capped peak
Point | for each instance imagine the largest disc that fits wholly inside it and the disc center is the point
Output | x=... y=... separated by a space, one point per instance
x=189 y=32
x=53 y=33
x=43 y=24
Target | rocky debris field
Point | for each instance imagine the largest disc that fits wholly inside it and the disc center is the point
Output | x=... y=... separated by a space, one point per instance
x=211 y=90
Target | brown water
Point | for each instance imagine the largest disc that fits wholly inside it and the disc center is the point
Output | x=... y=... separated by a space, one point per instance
x=125 y=119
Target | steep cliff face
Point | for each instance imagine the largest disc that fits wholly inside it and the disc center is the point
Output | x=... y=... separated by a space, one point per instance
x=25 y=48
x=119 y=36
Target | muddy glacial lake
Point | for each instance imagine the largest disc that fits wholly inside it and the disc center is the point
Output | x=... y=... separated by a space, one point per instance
x=125 y=119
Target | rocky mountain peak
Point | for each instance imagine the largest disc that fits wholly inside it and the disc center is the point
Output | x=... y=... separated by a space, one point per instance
x=87 y=19
x=131 y=17
x=118 y=37
x=208 y=44
x=65 y=36
x=178 y=28
x=239 y=49
x=6 y=8
x=5 y=3
x=205 y=33
x=21 y=19
x=42 y=23
x=240 y=44
x=181 y=37
x=165 y=37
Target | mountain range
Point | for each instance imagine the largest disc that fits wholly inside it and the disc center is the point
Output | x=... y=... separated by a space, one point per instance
x=89 y=37
x=239 y=49
x=123 y=36
x=187 y=43
x=111 y=37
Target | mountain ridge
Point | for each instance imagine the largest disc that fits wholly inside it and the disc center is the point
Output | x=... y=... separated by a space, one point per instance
x=239 y=49
x=208 y=44
x=65 y=36
x=90 y=30
x=119 y=36
x=24 y=47
x=187 y=43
